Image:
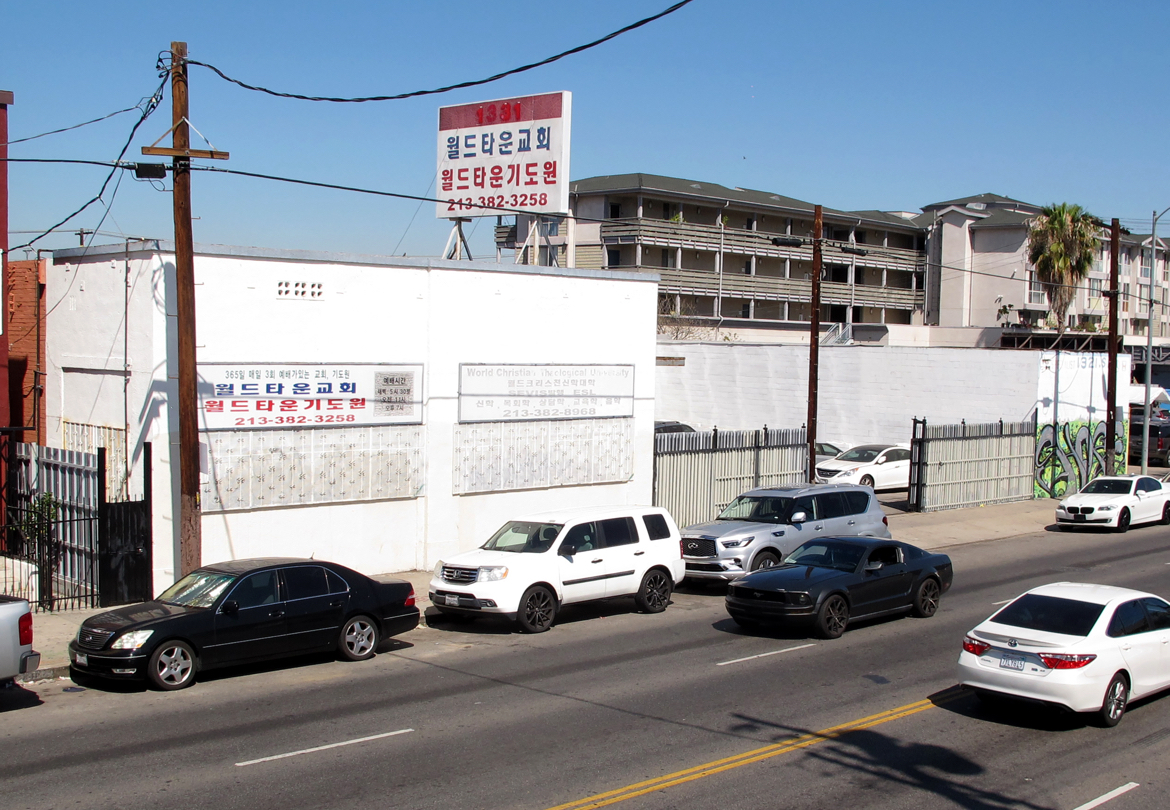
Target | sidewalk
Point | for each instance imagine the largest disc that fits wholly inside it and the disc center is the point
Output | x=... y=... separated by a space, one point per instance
x=52 y=632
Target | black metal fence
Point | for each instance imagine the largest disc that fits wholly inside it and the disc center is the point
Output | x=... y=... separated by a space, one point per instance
x=63 y=543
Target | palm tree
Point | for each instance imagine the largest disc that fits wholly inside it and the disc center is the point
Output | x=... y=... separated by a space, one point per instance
x=1062 y=241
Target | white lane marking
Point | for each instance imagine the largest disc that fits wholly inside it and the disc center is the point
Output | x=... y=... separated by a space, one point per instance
x=1004 y=602
x=1113 y=794
x=764 y=655
x=325 y=747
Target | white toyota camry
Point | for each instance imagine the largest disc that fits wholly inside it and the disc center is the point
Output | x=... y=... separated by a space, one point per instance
x=1086 y=648
x=1117 y=502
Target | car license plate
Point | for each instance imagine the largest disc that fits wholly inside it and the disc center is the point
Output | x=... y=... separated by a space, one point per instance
x=81 y=660
x=452 y=600
x=1079 y=518
x=1011 y=662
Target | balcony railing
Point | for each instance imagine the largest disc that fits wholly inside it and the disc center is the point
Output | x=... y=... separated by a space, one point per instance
x=776 y=288
x=689 y=236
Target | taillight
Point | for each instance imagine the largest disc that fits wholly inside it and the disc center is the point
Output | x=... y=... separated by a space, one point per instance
x=410 y=597
x=975 y=646
x=885 y=520
x=1065 y=660
x=24 y=630
x=1160 y=447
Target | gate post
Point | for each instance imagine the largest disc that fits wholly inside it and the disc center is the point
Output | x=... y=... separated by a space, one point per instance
x=917 y=465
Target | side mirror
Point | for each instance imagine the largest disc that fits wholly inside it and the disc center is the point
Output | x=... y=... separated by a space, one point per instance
x=870 y=567
x=567 y=550
x=231 y=607
x=799 y=517
x=881 y=460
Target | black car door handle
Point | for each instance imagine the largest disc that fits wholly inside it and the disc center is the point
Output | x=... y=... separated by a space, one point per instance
x=597 y=560
x=335 y=604
x=639 y=553
x=276 y=614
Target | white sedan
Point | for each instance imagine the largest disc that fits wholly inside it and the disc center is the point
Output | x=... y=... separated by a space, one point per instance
x=1086 y=648
x=879 y=466
x=1116 y=501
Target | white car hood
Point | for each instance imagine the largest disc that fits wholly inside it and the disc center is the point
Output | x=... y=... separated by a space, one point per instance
x=1081 y=499
x=839 y=464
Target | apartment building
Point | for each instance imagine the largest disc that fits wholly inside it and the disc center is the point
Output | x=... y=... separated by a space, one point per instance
x=735 y=256
x=742 y=259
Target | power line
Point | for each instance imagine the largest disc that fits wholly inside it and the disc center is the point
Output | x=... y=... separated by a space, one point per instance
x=149 y=107
x=448 y=88
x=137 y=106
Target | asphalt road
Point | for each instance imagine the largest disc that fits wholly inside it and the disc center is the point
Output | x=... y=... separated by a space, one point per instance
x=611 y=707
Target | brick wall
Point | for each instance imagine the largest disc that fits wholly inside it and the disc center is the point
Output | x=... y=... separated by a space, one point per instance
x=25 y=299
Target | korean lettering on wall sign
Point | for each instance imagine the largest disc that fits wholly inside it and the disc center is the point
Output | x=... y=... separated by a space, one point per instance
x=511 y=153
x=243 y=396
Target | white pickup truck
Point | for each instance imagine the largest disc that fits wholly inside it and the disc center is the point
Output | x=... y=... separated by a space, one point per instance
x=16 y=637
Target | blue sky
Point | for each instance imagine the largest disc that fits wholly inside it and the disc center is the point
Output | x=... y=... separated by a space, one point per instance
x=856 y=105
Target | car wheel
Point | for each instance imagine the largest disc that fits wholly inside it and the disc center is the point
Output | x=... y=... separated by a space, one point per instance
x=867 y=481
x=1116 y=698
x=172 y=666
x=538 y=610
x=654 y=593
x=1123 y=521
x=765 y=559
x=1166 y=514
x=832 y=617
x=358 y=639
x=926 y=599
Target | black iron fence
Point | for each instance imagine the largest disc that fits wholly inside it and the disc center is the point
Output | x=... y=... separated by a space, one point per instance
x=63 y=543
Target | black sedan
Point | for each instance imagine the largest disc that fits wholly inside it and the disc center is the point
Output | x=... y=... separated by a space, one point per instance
x=243 y=611
x=830 y=581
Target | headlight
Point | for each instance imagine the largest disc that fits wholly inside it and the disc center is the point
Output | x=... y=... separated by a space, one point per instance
x=800 y=598
x=439 y=569
x=849 y=471
x=132 y=641
x=492 y=573
x=738 y=543
x=1106 y=508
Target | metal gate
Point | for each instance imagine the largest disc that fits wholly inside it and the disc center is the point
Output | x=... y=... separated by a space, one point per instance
x=697 y=474
x=953 y=466
x=64 y=544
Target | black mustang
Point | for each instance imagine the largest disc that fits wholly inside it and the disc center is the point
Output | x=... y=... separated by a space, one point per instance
x=829 y=581
x=241 y=611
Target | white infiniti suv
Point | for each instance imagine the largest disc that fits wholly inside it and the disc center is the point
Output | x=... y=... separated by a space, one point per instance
x=535 y=564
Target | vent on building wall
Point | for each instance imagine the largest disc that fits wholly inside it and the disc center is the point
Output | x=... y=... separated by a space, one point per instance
x=300 y=290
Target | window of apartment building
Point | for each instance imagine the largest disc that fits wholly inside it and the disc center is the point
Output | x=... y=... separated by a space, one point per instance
x=746 y=310
x=1146 y=272
x=552 y=228
x=1036 y=294
x=671 y=211
x=1125 y=298
x=747 y=267
x=1144 y=300
x=613 y=257
x=840 y=234
x=1094 y=288
x=859 y=237
x=668 y=257
x=615 y=210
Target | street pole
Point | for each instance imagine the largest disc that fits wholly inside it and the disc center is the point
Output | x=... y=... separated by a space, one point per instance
x=1150 y=340
x=1111 y=383
x=814 y=342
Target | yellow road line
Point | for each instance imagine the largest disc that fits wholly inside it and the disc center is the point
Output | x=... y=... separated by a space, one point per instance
x=751 y=757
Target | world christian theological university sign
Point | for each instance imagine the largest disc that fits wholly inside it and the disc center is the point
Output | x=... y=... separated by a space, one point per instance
x=514 y=393
x=511 y=153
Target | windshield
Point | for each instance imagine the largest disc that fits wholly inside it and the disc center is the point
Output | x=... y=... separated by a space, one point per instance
x=867 y=453
x=197 y=589
x=760 y=508
x=821 y=554
x=1050 y=614
x=523 y=537
x=1108 y=486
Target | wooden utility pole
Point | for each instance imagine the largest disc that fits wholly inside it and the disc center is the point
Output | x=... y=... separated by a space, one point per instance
x=1111 y=383
x=190 y=520
x=814 y=343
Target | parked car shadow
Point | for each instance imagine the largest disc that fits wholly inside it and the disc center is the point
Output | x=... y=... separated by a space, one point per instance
x=1059 y=528
x=13 y=696
x=494 y=624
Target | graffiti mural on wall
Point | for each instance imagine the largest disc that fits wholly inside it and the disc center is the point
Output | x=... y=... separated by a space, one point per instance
x=1073 y=455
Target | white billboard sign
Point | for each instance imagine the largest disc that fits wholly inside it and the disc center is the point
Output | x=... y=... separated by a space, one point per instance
x=507 y=393
x=247 y=396
x=510 y=153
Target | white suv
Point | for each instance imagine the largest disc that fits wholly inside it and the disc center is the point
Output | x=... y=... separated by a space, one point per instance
x=535 y=564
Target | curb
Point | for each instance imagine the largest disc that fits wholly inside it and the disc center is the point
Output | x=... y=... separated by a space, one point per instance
x=44 y=674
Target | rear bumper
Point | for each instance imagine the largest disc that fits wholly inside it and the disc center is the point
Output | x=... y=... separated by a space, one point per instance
x=29 y=662
x=399 y=623
x=1075 y=690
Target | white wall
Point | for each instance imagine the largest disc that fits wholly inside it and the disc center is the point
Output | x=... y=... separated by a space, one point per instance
x=866 y=394
x=1082 y=387
x=387 y=311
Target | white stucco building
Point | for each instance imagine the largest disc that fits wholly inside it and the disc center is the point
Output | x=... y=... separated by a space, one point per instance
x=379 y=412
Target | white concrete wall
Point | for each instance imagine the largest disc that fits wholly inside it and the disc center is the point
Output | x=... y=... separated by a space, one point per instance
x=1082 y=386
x=436 y=313
x=866 y=394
